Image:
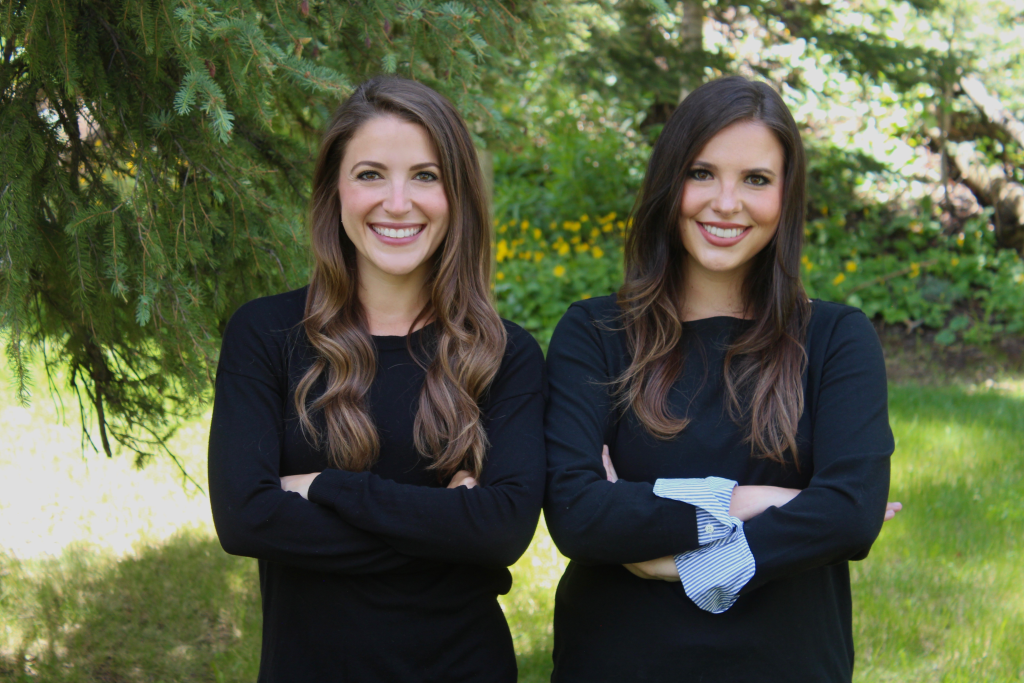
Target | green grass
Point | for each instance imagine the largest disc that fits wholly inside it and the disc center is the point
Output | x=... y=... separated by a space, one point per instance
x=108 y=574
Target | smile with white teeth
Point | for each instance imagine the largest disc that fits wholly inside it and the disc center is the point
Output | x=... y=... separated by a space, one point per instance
x=721 y=232
x=396 y=233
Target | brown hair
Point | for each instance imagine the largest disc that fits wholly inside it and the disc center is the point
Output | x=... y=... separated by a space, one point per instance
x=468 y=340
x=764 y=365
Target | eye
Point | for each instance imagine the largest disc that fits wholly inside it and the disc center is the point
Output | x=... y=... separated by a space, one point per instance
x=426 y=176
x=369 y=175
x=700 y=174
x=758 y=180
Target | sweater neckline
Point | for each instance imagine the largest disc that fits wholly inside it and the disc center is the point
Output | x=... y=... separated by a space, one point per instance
x=392 y=342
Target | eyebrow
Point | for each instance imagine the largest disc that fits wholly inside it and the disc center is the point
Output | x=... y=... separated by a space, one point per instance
x=383 y=167
x=747 y=171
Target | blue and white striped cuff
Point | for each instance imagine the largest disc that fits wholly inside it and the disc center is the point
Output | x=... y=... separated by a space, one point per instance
x=714 y=574
x=711 y=496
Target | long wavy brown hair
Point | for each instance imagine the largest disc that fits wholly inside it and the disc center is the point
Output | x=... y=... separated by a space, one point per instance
x=765 y=364
x=467 y=339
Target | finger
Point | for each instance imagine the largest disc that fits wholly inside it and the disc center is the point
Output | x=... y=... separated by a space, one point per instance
x=889 y=514
x=609 y=469
x=894 y=506
x=469 y=482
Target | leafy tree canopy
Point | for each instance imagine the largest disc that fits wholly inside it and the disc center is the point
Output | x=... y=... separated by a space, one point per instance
x=154 y=171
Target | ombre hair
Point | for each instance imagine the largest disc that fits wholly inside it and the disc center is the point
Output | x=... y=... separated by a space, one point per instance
x=467 y=342
x=765 y=364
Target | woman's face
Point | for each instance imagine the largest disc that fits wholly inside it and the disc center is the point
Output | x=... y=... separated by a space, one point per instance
x=732 y=199
x=393 y=205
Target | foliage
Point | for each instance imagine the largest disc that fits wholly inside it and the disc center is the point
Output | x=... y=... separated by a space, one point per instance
x=903 y=265
x=155 y=171
x=540 y=271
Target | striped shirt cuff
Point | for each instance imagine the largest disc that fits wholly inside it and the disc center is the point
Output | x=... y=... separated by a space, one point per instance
x=714 y=574
x=711 y=496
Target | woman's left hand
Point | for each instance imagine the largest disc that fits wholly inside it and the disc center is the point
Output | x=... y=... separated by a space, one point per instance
x=299 y=483
x=661 y=569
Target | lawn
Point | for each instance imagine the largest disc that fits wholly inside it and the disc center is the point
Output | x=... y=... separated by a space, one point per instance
x=109 y=574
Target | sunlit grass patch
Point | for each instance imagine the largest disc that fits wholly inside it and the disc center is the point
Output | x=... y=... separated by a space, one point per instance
x=940 y=597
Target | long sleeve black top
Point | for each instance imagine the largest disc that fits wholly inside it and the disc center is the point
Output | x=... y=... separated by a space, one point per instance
x=382 y=575
x=792 y=621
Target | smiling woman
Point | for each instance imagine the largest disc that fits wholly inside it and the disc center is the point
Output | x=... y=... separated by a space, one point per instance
x=744 y=428
x=377 y=439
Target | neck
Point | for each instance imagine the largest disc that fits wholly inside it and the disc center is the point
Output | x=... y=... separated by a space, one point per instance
x=391 y=303
x=708 y=294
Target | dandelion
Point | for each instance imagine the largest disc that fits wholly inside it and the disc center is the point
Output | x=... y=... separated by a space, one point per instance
x=954 y=261
x=960 y=240
x=537 y=257
x=607 y=227
x=851 y=266
x=582 y=247
x=563 y=249
x=502 y=251
x=915 y=269
x=839 y=279
x=584 y=296
x=500 y=275
x=584 y=218
x=807 y=263
x=607 y=219
x=559 y=271
x=595 y=233
x=537 y=233
x=824 y=211
x=597 y=252
x=621 y=225
x=525 y=225
x=575 y=239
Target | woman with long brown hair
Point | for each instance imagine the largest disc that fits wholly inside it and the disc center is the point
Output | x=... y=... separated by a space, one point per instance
x=377 y=438
x=746 y=429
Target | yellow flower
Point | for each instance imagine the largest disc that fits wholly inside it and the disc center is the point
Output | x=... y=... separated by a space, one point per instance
x=838 y=279
x=960 y=240
x=571 y=226
x=526 y=255
x=537 y=257
x=563 y=249
x=597 y=252
x=537 y=233
x=524 y=225
x=851 y=266
x=559 y=271
x=496 y=222
x=582 y=247
x=954 y=261
x=607 y=227
x=553 y=225
x=500 y=275
x=575 y=239
x=915 y=269
x=621 y=225
x=502 y=229
x=609 y=218
x=584 y=296
x=824 y=211
x=502 y=251
x=807 y=263
x=584 y=218
x=595 y=233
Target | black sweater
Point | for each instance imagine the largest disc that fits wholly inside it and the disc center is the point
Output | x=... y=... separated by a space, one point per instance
x=792 y=621
x=382 y=575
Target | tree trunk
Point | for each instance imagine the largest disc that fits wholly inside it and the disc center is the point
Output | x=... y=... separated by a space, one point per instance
x=992 y=188
x=691 y=39
x=992 y=108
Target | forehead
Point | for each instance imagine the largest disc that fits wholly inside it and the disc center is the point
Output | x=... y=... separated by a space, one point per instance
x=743 y=145
x=390 y=137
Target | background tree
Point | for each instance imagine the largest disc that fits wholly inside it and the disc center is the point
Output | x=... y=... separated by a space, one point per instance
x=154 y=171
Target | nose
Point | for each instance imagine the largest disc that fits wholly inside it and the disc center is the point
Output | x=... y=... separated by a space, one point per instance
x=397 y=201
x=726 y=202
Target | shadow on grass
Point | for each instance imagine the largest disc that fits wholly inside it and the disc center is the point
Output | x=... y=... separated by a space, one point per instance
x=183 y=611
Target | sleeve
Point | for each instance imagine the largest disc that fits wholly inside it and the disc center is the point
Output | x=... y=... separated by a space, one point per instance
x=712 y=575
x=590 y=519
x=838 y=516
x=491 y=524
x=254 y=517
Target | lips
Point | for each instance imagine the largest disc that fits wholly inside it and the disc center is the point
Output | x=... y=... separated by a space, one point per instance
x=402 y=233
x=721 y=235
